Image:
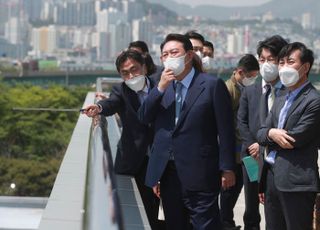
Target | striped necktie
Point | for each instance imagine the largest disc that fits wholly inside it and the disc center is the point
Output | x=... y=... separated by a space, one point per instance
x=178 y=95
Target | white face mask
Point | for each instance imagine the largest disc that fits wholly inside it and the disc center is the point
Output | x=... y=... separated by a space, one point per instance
x=288 y=76
x=177 y=64
x=269 y=71
x=248 y=81
x=200 y=55
x=136 y=83
x=207 y=63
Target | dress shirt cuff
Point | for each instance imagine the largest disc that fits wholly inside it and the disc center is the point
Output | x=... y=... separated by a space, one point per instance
x=99 y=108
x=160 y=91
x=268 y=138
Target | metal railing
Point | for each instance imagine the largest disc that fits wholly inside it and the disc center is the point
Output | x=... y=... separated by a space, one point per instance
x=87 y=194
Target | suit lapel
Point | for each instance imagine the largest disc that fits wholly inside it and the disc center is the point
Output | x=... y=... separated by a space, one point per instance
x=193 y=93
x=300 y=97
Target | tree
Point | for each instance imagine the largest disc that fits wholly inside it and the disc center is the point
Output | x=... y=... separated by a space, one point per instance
x=32 y=143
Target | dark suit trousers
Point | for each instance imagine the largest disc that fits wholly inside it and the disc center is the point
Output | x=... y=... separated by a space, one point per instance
x=251 y=216
x=287 y=210
x=150 y=201
x=229 y=197
x=181 y=206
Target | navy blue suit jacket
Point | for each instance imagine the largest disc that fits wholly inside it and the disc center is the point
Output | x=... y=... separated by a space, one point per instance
x=136 y=137
x=203 y=140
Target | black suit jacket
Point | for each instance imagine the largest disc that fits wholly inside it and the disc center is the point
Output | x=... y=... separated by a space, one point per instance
x=252 y=113
x=296 y=170
x=248 y=116
x=135 y=137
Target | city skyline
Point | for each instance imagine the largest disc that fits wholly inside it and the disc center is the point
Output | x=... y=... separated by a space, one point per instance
x=90 y=34
x=228 y=3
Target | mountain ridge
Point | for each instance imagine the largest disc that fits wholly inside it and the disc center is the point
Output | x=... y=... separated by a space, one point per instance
x=279 y=8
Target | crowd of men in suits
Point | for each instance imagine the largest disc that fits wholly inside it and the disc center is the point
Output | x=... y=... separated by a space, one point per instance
x=186 y=132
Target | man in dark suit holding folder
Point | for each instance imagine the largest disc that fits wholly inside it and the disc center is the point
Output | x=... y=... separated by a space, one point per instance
x=254 y=107
x=192 y=152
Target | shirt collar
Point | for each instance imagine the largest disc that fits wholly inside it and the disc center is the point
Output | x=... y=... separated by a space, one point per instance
x=187 y=80
x=278 y=85
x=294 y=93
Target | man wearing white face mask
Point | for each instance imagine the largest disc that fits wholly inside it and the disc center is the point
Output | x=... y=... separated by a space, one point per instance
x=208 y=55
x=125 y=100
x=253 y=110
x=197 y=41
x=244 y=75
x=291 y=133
x=192 y=152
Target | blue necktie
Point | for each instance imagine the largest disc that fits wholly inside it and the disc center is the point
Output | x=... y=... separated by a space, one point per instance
x=178 y=95
x=282 y=116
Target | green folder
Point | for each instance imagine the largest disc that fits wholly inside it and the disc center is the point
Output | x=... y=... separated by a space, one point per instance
x=252 y=168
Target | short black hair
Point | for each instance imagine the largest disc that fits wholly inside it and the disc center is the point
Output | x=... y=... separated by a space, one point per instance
x=248 y=62
x=139 y=44
x=129 y=54
x=274 y=44
x=306 y=55
x=187 y=45
x=208 y=44
x=192 y=34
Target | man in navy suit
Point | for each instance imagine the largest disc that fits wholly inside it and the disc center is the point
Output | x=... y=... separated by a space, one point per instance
x=125 y=99
x=291 y=134
x=192 y=152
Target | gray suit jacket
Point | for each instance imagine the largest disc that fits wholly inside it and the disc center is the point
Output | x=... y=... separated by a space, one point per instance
x=296 y=170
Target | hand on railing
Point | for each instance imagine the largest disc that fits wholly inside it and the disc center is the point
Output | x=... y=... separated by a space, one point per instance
x=92 y=111
x=100 y=96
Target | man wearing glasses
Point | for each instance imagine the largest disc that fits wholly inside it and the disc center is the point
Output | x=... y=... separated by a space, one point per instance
x=125 y=99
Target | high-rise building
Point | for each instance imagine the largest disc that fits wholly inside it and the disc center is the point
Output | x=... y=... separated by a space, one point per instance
x=107 y=17
x=133 y=9
x=75 y=14
x=236 y=42
x=120 y=37
x=16 y=30
x=306 y=21
x=142 y=30
x=33 y=9
x=44 y=39
x=86 y=12
x=103 y=46
x=47 y=11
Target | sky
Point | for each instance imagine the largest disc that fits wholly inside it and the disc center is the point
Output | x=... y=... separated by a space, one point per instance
x=224 y=2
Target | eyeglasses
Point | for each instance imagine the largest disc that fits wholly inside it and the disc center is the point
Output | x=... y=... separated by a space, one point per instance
x=269 y=59
x=198 y=48
x=133 y=71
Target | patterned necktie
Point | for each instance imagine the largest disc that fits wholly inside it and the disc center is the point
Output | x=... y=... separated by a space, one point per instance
x=178 y=96
x=271 y=98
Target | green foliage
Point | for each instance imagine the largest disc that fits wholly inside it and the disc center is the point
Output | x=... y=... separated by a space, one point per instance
x=31 y=178
x=37 y=134
x=33 y=142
